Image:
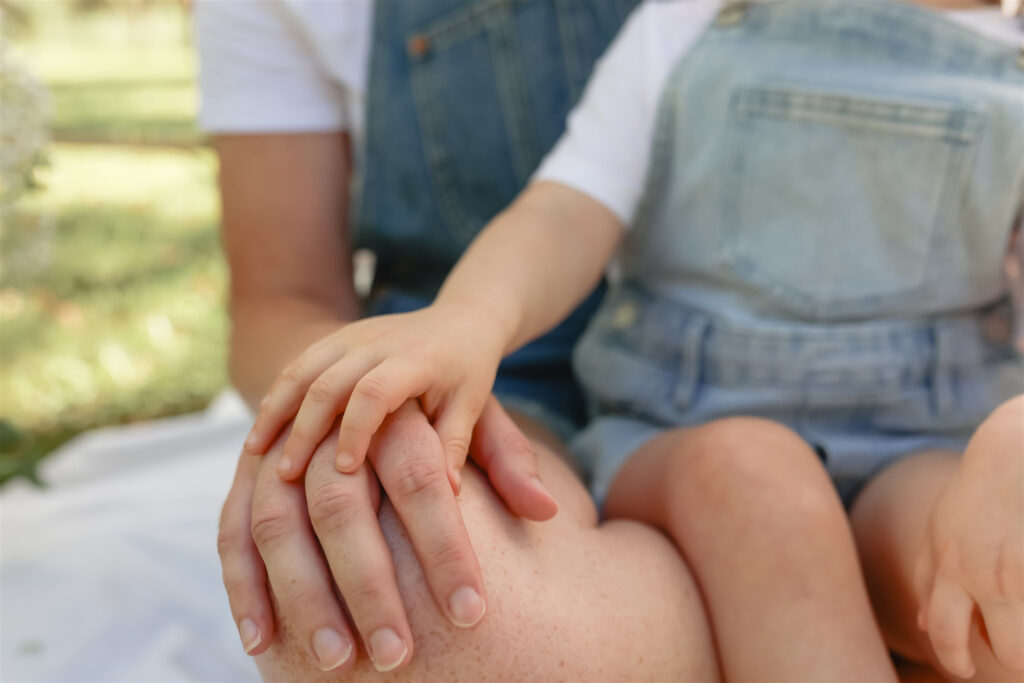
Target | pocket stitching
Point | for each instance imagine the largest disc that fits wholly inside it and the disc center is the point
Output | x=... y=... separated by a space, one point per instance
x=968 y=122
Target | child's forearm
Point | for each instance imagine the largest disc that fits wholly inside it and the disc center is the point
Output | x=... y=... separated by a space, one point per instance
x=535 y=261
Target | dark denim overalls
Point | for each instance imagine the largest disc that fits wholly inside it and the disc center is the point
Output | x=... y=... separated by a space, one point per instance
x=465 y=97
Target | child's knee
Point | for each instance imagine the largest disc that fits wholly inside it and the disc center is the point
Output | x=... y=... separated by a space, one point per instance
x=750 y=463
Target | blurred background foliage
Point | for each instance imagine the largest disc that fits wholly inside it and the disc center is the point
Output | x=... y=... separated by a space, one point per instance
x=111 y=276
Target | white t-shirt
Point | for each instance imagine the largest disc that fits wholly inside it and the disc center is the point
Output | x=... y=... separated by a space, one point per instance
x=302 y=65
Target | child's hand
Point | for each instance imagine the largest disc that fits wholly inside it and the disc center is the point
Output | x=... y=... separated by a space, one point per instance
x=973 y=556
x=445 y=355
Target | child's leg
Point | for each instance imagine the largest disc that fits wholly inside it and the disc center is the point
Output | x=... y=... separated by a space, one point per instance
x=750 y=506
x=890 y=519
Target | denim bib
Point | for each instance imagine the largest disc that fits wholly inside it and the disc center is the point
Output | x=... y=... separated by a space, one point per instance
x=829 y=201
x=465 y=98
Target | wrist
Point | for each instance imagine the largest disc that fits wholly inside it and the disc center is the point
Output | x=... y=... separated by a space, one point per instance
x=499 y=323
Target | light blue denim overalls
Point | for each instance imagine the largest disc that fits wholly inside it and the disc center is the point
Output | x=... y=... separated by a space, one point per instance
x=831 y=193
x=465 y=98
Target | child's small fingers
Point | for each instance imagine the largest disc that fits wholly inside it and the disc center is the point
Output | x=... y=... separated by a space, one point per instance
x=286 y=394
x=325 y=399
x=455 y=429
x=949 y=625
x=924 y=575
x=379 y=393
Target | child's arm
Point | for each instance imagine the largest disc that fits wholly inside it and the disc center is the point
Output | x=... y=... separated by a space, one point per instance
x=973 y=557
x=524 y=272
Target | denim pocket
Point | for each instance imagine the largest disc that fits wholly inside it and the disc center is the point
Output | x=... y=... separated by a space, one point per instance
x=837 y=202
x=493 y=82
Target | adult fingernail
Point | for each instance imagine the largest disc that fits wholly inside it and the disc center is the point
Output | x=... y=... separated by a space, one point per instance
x=344 y=461
x=331 y=648
x=466 y=607
x=250 y=635
x=387 y=650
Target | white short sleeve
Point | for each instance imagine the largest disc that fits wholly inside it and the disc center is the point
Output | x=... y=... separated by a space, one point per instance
x=605 y=150
x=260 y=73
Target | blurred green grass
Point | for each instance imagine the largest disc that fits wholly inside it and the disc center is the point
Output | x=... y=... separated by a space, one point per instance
x=112 y=289
x=121 y=72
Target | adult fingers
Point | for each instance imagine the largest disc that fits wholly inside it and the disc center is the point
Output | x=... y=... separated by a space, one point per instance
x=325 y=399
x=344 y=516
x=285 y=396
x=510 y=461
x=950 y=608
x=245 y=577
x=1004 y=622
x=409 y=461
x=379 y=393
x=297 y=572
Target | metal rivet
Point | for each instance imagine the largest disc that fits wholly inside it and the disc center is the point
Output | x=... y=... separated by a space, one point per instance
x=418 y=45
x=732 y=14
x=624 y=316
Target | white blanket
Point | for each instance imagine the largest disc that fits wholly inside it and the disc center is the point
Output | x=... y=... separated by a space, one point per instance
x=111 y=572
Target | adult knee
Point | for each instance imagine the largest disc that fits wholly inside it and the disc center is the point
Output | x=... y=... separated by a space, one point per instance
x=563 y=602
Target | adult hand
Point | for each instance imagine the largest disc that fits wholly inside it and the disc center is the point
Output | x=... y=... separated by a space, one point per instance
x=267 y=536
x=973 y=557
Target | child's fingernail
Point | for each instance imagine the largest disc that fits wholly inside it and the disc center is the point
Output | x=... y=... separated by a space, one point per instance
x=249 y=632
x=344 y=461
x=250 y=441
x=456 y=478
x=920 y=620
x=331 y=648
x=540 y=486
x=285 y=466
x=466 y=607
x=386 y=649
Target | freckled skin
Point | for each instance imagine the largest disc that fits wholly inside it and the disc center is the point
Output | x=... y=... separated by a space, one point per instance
x=566 y=600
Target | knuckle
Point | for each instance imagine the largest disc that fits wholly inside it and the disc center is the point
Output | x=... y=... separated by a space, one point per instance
x=449 y=553
x=517 y=444
x=418 y=478
x=269 y=526
x=1008 y=572
x=227 y=542
x=235 y=586
x=291 y=373
x=372 y=389
x=333 y=506
x=305 y=600
x=321 y=390
x=457 y=444
x=367 y=593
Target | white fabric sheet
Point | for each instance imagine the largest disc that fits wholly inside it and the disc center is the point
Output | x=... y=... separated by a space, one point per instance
x=111 y=572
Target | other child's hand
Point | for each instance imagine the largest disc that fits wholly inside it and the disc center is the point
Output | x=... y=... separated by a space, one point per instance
x=973 y=558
